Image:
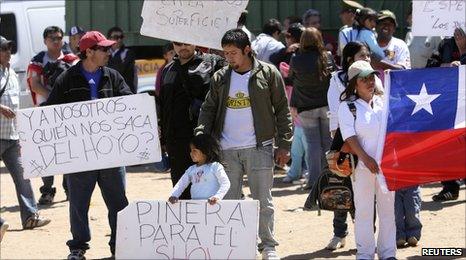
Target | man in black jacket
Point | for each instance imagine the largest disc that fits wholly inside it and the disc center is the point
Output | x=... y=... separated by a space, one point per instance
x=122 y=58
x=87 y=80
x=185 y=83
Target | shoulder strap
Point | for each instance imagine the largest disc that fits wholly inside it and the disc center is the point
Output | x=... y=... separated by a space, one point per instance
x=352 y=108
x=6 y=83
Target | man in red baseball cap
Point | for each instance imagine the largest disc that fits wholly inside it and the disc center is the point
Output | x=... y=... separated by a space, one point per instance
x=91 y=79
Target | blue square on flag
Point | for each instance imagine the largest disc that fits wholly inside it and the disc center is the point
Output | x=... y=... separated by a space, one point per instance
x=418 y=95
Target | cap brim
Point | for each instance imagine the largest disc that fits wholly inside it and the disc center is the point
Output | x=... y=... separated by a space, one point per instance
x=366 y=73
x=106 y=43
x=383 y=17
x=7 y=43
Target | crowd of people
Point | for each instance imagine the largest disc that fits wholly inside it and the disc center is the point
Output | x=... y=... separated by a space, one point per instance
x=241 y=111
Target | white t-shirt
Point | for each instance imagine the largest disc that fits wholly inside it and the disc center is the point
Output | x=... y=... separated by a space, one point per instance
x=397 y=53
x=421 y=49
x=366 y=126
x=207 y=180
x=40 y=98
x=265 y=45
x=238 y=129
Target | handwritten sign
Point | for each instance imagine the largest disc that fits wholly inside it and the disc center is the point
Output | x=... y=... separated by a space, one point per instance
x=84 y=136
x=201 y=23
x=438 y=18
x=190 y=229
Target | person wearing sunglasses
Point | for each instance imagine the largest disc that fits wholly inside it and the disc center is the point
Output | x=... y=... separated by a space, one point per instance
x=122 y=58
x=40 y=88
x=90 y=79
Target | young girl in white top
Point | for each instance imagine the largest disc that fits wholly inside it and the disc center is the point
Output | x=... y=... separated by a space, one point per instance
x=362 y=134
x=207 y=177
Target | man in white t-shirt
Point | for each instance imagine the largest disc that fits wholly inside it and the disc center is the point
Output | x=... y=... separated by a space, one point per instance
x=396 y=51
x=246 y=108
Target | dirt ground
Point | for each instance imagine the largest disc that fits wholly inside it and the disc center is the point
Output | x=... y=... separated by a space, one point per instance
x=302 y=234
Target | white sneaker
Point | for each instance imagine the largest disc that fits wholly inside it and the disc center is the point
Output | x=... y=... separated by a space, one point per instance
x=336 y=242
x=270 y=253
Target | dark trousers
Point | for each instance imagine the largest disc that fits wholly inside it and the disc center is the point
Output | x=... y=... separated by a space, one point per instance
x=48 y=185
x=80 y=187
x=180 y=160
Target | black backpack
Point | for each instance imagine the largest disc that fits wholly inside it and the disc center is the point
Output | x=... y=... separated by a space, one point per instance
x=53 y=69
x=331 y=192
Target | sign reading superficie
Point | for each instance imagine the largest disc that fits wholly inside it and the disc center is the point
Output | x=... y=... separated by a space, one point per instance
x=190 y=229
x=201 y=23
x=90 y=135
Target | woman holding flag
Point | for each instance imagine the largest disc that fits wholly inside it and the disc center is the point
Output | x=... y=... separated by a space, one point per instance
x=361 y=133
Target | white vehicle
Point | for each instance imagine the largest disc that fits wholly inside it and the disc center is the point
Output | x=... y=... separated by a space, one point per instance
x=24 y=22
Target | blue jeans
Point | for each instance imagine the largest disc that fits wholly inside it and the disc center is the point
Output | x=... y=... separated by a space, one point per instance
x=10 y=153
x=80 y=187
x=258 y=164
x=407 y=210
x=298 y=153
x=316 y=124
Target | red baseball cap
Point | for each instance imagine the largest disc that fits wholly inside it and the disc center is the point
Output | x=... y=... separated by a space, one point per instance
x=93 y=38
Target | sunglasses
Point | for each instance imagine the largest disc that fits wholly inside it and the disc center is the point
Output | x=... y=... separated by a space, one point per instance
x=180 y=43
x=56 y=39
x=101 y=48
x=117 y=37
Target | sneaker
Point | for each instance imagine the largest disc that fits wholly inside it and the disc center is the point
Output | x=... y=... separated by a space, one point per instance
x=46 y=198
x=3 y=229
x=336 y=242
x=445 y=195
x=412 y=241
x=400 y=243
x=35 y=221
x=77 y=254
x=270 y=253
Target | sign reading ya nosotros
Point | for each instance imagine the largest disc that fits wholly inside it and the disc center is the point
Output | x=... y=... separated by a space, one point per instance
x=438 y=18
x=190 y=229
x=88 y=135
x=202 y=23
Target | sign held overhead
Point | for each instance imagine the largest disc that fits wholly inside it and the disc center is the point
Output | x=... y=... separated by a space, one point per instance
x=201 y=23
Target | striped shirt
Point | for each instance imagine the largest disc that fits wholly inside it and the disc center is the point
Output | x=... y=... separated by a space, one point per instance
x=10 y=98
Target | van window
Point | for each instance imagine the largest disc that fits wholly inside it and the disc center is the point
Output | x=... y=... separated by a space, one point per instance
x=8 y=24
x=41 y=17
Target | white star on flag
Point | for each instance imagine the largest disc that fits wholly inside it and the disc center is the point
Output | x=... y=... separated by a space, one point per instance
x=423 y=100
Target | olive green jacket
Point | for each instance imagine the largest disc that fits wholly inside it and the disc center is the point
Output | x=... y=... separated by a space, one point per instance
x=269 y=105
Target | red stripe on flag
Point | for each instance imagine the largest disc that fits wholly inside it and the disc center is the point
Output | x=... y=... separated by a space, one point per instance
x=416 y=158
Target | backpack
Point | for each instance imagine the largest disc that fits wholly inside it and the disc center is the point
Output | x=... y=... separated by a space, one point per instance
x=53 y=69
x=331 y=192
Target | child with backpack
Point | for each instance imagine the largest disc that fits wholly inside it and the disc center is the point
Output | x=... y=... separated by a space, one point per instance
x=207 y=176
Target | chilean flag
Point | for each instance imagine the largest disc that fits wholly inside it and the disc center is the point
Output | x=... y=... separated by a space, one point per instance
x=425 y=136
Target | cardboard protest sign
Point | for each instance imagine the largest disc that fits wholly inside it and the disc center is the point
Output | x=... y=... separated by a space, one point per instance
x=201 y=23
x=90 y=135
x=438 y=18
x=189 y=229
